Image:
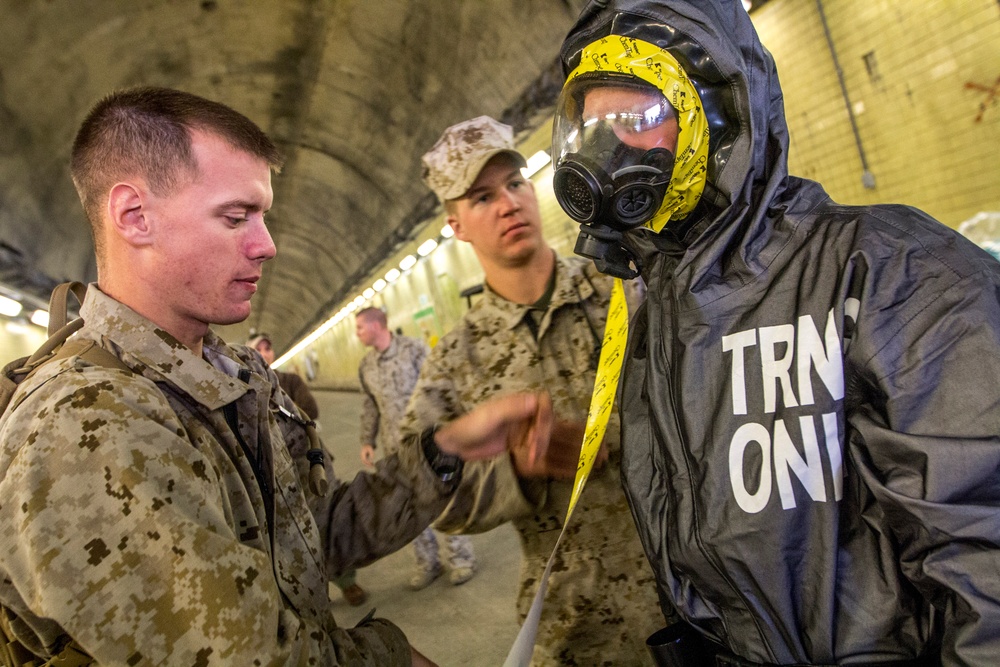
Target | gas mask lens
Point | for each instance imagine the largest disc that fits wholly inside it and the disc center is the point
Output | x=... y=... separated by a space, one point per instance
x=614 y=141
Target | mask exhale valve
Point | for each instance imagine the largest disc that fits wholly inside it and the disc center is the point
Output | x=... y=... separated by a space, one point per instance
x=604 y=245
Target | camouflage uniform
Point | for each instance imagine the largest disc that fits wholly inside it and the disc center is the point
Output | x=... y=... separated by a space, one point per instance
x=601 y=602
x=153 y=533
x=297 y=390
x=387 y=380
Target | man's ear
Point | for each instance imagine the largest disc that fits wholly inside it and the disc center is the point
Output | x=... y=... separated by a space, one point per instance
x=456 y=226
x=128 y=215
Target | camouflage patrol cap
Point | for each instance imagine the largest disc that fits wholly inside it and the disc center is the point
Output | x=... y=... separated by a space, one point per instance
x=454 y=162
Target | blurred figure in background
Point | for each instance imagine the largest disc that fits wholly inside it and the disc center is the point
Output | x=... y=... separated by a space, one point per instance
x=388 y=374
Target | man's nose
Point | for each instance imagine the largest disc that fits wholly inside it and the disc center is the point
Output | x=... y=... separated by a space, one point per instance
x=262 y=246
x=509 y=203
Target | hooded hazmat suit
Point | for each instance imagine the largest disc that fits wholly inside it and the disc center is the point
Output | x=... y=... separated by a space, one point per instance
x=810 y=401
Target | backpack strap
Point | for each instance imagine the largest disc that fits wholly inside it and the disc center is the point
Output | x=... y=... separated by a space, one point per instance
x=92 y=353
x=319 y=483
x=18 y=370
x=59 y=330
x=58 y=315
x=54 y=342
x=56 y=347
x=71 y=655
x=14 y=654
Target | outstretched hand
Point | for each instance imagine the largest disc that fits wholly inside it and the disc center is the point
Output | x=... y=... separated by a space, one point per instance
x=560 y=458
x=508 y=423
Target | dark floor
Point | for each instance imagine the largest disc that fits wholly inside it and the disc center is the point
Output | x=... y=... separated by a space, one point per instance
x=456 y=626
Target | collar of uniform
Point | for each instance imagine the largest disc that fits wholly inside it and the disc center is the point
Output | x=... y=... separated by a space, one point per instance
x=572 y=286
x=390 y=351
x=155 y=354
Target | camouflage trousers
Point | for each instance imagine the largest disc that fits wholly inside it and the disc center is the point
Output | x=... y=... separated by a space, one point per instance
x=425 y=549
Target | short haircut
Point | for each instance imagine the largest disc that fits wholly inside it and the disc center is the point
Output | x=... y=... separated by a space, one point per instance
x=146 y=132
x=374 y=315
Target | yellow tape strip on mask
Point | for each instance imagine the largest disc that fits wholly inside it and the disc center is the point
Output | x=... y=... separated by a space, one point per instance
x=609 y=370
x=618 y=55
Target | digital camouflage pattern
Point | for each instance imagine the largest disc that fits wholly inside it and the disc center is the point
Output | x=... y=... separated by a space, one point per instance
x=453 y=163
x=387 y=380
x=142 y=530
x=458 y=547
x=601 y=602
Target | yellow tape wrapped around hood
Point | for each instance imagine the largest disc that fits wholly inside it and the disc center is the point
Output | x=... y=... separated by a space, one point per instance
x=617 y=56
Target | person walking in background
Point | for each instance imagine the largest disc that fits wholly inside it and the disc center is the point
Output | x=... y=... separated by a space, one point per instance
x=298 y=390
x=388 y=373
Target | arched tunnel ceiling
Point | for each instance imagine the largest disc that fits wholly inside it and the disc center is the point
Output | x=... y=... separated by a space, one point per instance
x=353 y=92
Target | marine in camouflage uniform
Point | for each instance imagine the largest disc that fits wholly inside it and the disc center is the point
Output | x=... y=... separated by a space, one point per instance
x=160 y=518
x=538 y=326
x=387 y=380
x=601 y=601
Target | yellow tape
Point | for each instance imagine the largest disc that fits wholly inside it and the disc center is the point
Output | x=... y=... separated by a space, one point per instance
x=609 y=370
x=615 y=55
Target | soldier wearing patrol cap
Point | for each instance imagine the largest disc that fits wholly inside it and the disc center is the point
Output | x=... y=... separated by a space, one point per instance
x=538 y=325
x=151 y=504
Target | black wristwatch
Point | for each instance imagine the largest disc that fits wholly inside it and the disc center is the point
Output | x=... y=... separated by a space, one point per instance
x=447 y=467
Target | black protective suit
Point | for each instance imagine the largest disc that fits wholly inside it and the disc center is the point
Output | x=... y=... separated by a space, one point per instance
x=811 y=398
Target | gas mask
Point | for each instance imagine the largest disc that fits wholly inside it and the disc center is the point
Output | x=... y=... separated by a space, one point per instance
x=630 y=143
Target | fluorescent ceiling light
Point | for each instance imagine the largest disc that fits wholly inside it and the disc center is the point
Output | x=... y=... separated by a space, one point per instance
x=379 y=285
x=392 y=275
x=407 y=263
x=41 y=318
x=16 y=328
x=9 y=307
x=301 y=345
x=535 y=163
x=447 y=231
x=427 y=247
